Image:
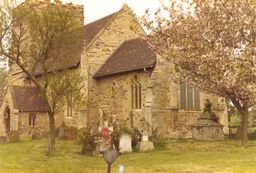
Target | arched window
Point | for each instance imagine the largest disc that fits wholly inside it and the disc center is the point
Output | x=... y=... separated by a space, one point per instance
x=69 y=105
x=7 y=119
x=189 y=97
x=136 y=93
x=32 y=120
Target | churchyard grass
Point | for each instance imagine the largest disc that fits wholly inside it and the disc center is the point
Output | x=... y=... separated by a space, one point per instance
x=186 y=156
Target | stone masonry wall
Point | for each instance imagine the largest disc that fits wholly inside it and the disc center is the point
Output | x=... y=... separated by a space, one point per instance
x=41 y=127
x=14 y=118
x=166 y=114
x=122 y=28
x=114 y=97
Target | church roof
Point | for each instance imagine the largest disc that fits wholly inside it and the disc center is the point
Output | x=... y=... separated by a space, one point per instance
x=94 y=28
x=132 y=55
x=27 y=99
x=59 y=64
x=91 y=32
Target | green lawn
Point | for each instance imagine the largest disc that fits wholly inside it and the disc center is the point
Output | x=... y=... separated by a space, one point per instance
x=181 y=157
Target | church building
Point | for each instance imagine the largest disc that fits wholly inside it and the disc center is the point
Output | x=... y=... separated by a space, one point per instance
x=125 y=80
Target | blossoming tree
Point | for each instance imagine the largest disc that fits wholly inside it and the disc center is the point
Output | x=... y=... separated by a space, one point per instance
x=212 y=45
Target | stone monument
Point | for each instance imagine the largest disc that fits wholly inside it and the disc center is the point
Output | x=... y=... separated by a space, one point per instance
x=145 y=144
x=207 y=126
x=125 y=143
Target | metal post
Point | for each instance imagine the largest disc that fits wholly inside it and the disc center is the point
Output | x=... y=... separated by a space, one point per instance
x=109 y=167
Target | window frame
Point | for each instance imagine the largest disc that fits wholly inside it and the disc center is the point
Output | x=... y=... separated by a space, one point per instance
x=69 y=106
x=32 y=120
x=189 y=98
x=136 y=94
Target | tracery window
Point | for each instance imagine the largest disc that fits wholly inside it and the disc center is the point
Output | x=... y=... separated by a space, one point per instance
x=136 y=93
x=69 y=106
x=189 y=97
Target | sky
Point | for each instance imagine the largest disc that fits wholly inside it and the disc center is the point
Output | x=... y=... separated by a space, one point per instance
x=95 y=9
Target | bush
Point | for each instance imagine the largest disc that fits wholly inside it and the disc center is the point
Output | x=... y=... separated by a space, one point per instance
x=136 y=137
x=252 y=135
x=154 y=135
x=160 y=143
x=87 y=137
x=115 y=136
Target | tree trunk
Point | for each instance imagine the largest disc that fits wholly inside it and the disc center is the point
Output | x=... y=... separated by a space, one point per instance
x=51 y=139
x=244 y=129
x=243 y=110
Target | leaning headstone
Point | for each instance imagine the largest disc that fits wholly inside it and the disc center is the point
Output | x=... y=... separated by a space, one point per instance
x=61 y=132
x=125 y=143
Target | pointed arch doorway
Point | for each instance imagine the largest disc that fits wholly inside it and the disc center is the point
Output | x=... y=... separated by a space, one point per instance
x=7 y=119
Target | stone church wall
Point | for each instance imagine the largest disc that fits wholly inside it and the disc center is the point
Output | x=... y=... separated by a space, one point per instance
x=166 y=114
x=114 y=97
x=123 y=27
x=111 y=96
x=14 y=119
x=40 y=128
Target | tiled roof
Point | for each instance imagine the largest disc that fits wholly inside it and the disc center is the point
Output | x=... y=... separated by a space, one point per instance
x=92 y=29
x=27 y=99
x=130 y=56
x=59 y=64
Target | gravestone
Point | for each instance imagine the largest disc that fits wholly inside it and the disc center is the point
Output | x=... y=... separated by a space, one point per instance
x=67 y=132
x=144 y=144
x=145 y=138
x=125 y=143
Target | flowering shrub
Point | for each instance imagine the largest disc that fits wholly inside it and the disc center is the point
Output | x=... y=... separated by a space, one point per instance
x=106 y=135
x=87 y=137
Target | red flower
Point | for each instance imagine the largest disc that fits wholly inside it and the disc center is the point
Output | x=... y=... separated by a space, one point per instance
x=106 y=135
